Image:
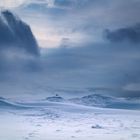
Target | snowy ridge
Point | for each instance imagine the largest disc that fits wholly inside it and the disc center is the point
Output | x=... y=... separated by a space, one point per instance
x=93 y=100
x=106 y=102
x=90 y=101
x=98 y=100
x=5 y=103
x=55 y=98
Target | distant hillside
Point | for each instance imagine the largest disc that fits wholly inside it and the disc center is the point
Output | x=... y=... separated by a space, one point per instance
x=106 y=102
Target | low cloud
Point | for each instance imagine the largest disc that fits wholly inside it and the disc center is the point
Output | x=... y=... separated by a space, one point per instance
x=18 y=47
x=127 y=34
x=16 y=34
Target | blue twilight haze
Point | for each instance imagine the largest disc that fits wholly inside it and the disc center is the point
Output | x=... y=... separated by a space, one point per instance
x=69 y=47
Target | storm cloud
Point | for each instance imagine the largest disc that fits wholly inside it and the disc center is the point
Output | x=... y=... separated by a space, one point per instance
x=15 y=34
x=126 y=34
x=18 y=47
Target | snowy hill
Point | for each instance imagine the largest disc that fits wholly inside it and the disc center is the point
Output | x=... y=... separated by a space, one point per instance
x=56 y=120
x=56 y=98
x=94 y=100
x=106 y=102
x=16 y=35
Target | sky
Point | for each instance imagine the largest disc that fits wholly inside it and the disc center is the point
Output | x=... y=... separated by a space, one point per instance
x=78 y=21
x=84 y=45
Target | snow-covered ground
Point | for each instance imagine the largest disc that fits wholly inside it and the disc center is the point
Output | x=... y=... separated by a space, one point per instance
x=46 y=120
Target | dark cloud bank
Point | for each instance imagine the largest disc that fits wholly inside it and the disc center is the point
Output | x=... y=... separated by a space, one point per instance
x=16 y=34
x=18 y=46
x=102 y=67
x=127 y=34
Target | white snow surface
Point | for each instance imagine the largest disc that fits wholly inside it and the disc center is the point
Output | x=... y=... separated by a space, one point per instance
x=46 y=120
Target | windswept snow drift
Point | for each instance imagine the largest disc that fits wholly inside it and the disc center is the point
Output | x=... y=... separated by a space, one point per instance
x=43 y=120
x=6 y=104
